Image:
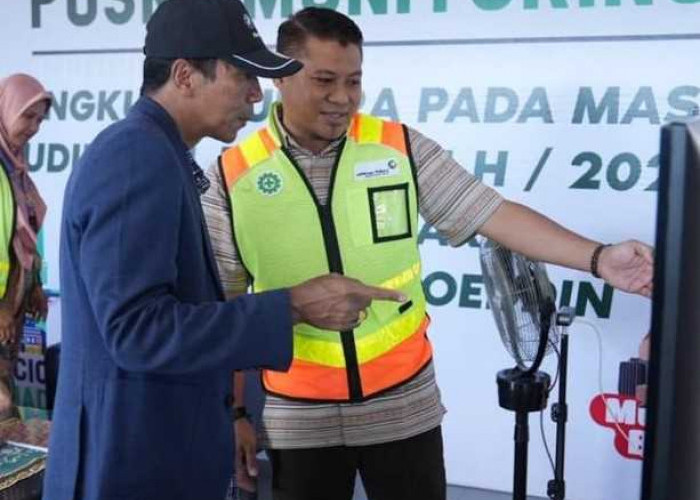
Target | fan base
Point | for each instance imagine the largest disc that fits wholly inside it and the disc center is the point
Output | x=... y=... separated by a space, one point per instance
x=521 y=391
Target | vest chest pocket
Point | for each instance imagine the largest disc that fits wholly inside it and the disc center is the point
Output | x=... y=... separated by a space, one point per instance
x=389 y=212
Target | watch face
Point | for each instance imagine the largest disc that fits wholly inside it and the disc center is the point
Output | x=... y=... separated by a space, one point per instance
x=240 y=412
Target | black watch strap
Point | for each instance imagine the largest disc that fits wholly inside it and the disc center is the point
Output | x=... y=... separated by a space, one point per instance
x=240 y=412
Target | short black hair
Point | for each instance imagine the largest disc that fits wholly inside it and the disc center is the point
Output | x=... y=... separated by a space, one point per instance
x=156 y=72
x=324 y=24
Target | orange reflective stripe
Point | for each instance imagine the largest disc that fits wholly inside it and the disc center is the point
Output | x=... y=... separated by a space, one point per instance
x=398 y=365
x=308 y=381
x=237 y=160
x=234 y=165
x=268 y=141
x=354 y=132
x=393 y=136
x=369 y=129
x=311 y=381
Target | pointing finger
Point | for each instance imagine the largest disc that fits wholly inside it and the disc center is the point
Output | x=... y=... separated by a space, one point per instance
x=378 y=293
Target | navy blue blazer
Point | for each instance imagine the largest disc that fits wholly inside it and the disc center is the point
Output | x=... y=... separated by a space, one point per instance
x=148 y=344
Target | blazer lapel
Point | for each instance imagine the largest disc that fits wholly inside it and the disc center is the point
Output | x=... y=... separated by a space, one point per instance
x=198 y=214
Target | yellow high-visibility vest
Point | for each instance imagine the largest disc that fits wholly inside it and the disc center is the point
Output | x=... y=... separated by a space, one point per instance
x=367 y=230
x=7 y=228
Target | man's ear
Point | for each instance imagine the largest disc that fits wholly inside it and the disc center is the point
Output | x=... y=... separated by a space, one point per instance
x=183 y=76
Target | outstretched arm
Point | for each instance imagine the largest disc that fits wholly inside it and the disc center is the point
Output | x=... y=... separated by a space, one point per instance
x=627 y=266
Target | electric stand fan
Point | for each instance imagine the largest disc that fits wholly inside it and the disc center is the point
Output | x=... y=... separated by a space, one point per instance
x=522 y=301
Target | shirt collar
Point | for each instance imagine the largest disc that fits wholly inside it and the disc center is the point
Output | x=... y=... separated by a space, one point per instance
x=147 y=106
x=289 y=141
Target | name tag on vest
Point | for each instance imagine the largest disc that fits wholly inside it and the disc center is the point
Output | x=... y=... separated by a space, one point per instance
x=376 y=169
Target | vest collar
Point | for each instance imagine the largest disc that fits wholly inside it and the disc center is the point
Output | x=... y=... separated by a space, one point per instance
x=282 y=136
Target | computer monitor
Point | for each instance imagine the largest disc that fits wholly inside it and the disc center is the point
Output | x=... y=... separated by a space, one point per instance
x=671 y=469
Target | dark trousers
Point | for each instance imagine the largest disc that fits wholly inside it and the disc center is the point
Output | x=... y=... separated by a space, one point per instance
x=409 y=469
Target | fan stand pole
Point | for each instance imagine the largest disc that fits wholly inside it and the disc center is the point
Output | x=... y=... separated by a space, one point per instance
x=522 y=393
x=556 y=488
x=522 y=436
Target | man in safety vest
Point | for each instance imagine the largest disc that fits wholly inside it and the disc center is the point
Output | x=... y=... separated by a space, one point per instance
x=322 y=188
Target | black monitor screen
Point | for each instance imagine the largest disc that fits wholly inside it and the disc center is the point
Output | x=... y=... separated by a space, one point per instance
x=671 y=468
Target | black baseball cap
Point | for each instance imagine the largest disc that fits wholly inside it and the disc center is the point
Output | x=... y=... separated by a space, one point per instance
x=213 y=29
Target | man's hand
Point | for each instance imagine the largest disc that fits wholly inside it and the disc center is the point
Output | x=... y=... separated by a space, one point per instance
x=246 y=450
x=38 y=304
x=628 y=266
x=334 y=302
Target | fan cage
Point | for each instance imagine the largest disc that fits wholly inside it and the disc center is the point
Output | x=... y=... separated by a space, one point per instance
x=519 y=293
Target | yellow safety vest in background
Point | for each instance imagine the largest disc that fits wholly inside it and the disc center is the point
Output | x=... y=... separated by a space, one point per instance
x=7 y=228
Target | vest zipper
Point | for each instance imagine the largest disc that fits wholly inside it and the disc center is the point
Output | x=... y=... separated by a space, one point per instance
x=335 y=265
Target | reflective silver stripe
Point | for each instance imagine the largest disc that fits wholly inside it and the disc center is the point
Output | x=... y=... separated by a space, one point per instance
x=288 y=62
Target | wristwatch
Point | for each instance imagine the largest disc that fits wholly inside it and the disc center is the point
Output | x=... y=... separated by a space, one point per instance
x=240 y=412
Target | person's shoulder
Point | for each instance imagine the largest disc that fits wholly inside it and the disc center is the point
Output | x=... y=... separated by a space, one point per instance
x=127 y=153
x=415 y=134
x=417 y=141
x=126 y=147
x=129 y=134
x=386 y=119
x=423 y=146
x=248 y=137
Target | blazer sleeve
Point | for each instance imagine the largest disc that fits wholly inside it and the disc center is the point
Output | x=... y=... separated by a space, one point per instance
x=128 y=213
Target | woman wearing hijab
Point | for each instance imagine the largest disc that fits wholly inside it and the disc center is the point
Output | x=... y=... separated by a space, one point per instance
x=23 y=105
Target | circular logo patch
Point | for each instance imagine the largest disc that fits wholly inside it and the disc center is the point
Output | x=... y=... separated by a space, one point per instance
x=269 y=183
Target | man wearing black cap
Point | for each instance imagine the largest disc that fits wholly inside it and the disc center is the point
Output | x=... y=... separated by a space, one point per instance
x=142 y=409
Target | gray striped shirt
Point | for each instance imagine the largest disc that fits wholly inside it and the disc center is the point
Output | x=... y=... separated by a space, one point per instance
x=455 y=203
